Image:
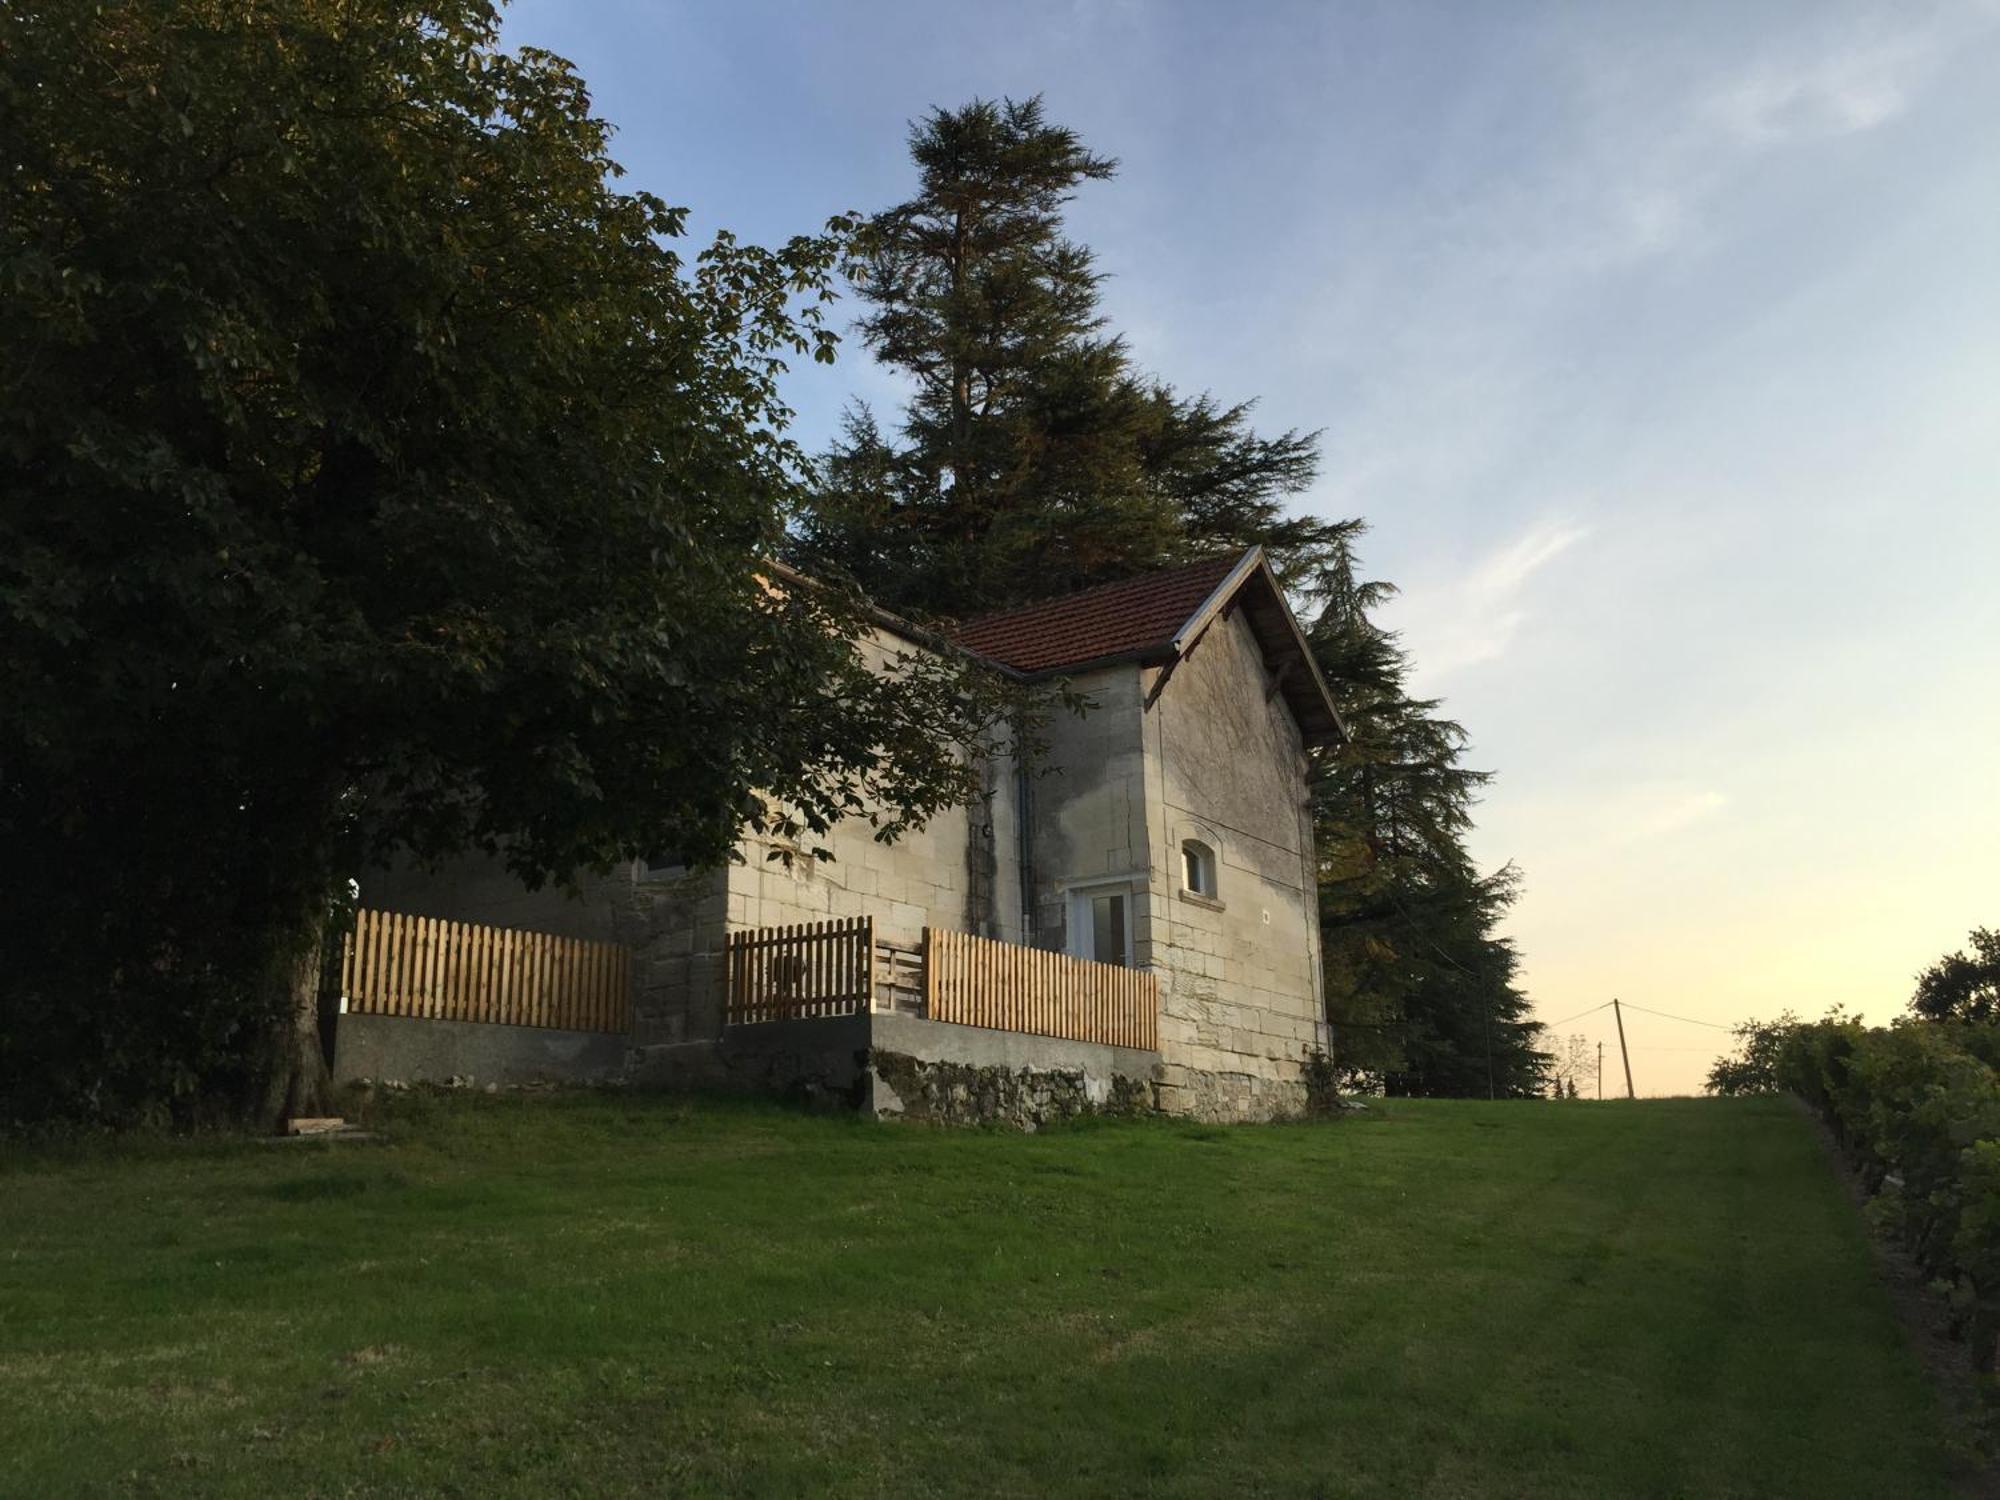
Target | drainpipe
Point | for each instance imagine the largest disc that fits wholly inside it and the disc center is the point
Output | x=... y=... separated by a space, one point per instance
x=1024 y=856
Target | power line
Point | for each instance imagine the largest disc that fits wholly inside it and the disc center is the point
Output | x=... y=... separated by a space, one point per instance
x=1553 y=1025
x=1690 y=1020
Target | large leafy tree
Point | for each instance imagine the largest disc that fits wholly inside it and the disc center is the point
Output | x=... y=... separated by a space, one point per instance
x=1033 y=458
x=374 y=477
x=1963 y=986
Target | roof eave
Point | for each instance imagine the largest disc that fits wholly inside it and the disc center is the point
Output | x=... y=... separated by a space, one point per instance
x=1141 y=656
x=1217 y=600
x=1322 y=690
x=1254 y=563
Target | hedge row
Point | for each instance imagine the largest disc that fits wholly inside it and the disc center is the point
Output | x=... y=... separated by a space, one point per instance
x=1916 y=1106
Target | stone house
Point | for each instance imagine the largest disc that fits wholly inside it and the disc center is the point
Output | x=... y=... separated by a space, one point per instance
x=1166 y=832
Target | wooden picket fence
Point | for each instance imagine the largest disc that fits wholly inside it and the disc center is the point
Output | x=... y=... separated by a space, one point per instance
x=813 y=969
x=839 y=969
x=978 y=981
x=395 y=964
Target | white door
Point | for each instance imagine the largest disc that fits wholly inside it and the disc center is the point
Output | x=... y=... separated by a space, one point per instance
x=1100 y=923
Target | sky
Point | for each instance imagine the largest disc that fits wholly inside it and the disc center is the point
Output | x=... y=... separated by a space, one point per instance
x=1659 y=346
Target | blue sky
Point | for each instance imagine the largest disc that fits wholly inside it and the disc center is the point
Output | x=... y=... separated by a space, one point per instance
x=1659 y=346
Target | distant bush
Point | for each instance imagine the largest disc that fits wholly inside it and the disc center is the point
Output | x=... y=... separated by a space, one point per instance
x=1322 y=1078
x=1916 y=1107
x=1755 y=1068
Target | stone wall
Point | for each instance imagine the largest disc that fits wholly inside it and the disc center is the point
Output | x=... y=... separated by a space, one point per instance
x=896 y=1066
x=960 y=871
x=950 y=1093
x=1088 y=810
x=1240 y=991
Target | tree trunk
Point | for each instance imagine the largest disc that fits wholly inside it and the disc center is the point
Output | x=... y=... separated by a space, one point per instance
x=297 y=1082
x=961 y=367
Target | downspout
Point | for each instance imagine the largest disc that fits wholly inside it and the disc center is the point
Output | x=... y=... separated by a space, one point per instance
x=1024 y=854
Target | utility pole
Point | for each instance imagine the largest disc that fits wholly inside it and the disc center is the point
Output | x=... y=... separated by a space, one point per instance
x=1619 y=1016
x=1600 y=1070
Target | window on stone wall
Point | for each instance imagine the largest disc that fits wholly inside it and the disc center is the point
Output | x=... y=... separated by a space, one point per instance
x=1198 y=868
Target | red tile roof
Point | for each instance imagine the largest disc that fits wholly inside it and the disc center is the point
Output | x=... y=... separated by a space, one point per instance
x=1113 y=619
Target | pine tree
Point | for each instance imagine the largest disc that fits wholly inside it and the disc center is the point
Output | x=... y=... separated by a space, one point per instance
x=1421 y=992
x=1033 y=459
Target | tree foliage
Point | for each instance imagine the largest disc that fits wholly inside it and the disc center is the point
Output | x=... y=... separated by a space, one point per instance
x=1033 y=458
x=1916 y=1107
x=1420 y=987
x=1572 y=1065
x=374 y=477
x=1962 y=986
x=1753 y=1068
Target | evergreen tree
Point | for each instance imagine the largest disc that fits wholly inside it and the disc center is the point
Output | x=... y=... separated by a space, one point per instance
x=1033 y=459
x=1421 y=992
x=1467 y=1032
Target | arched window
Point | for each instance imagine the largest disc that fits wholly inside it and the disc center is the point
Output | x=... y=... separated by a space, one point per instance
x=1198 y=868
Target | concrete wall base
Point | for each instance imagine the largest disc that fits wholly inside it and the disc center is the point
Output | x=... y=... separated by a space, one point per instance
x=403 y=1049
x=890 y=1066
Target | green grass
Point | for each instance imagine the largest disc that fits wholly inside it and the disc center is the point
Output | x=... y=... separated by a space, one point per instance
x=602 y=1295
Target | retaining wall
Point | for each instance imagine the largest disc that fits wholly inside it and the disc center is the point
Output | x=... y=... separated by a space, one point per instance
x=404 y=1049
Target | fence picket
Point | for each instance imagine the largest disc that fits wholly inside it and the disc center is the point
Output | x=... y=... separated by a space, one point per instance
x=426 y=968
x=385 y=952
x=978 y=981
x=347 y=956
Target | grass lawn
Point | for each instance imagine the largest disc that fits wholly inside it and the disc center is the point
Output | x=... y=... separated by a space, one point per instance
x=605 y=1295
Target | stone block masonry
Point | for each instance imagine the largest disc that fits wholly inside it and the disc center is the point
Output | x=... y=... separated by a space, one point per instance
x=901 y=1067
x=949 y=1093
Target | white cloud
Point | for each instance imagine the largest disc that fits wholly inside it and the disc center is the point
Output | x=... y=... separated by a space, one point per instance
x=1573 y=833
x=1838 y=91
x=1665 y=154
x=1474 y=616
x=1464 y=321
x=1654 y=813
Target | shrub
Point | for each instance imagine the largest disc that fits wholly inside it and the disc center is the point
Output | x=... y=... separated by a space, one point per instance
x=1322 y=1078
x=1916 y=1107
x=1754 y=1070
